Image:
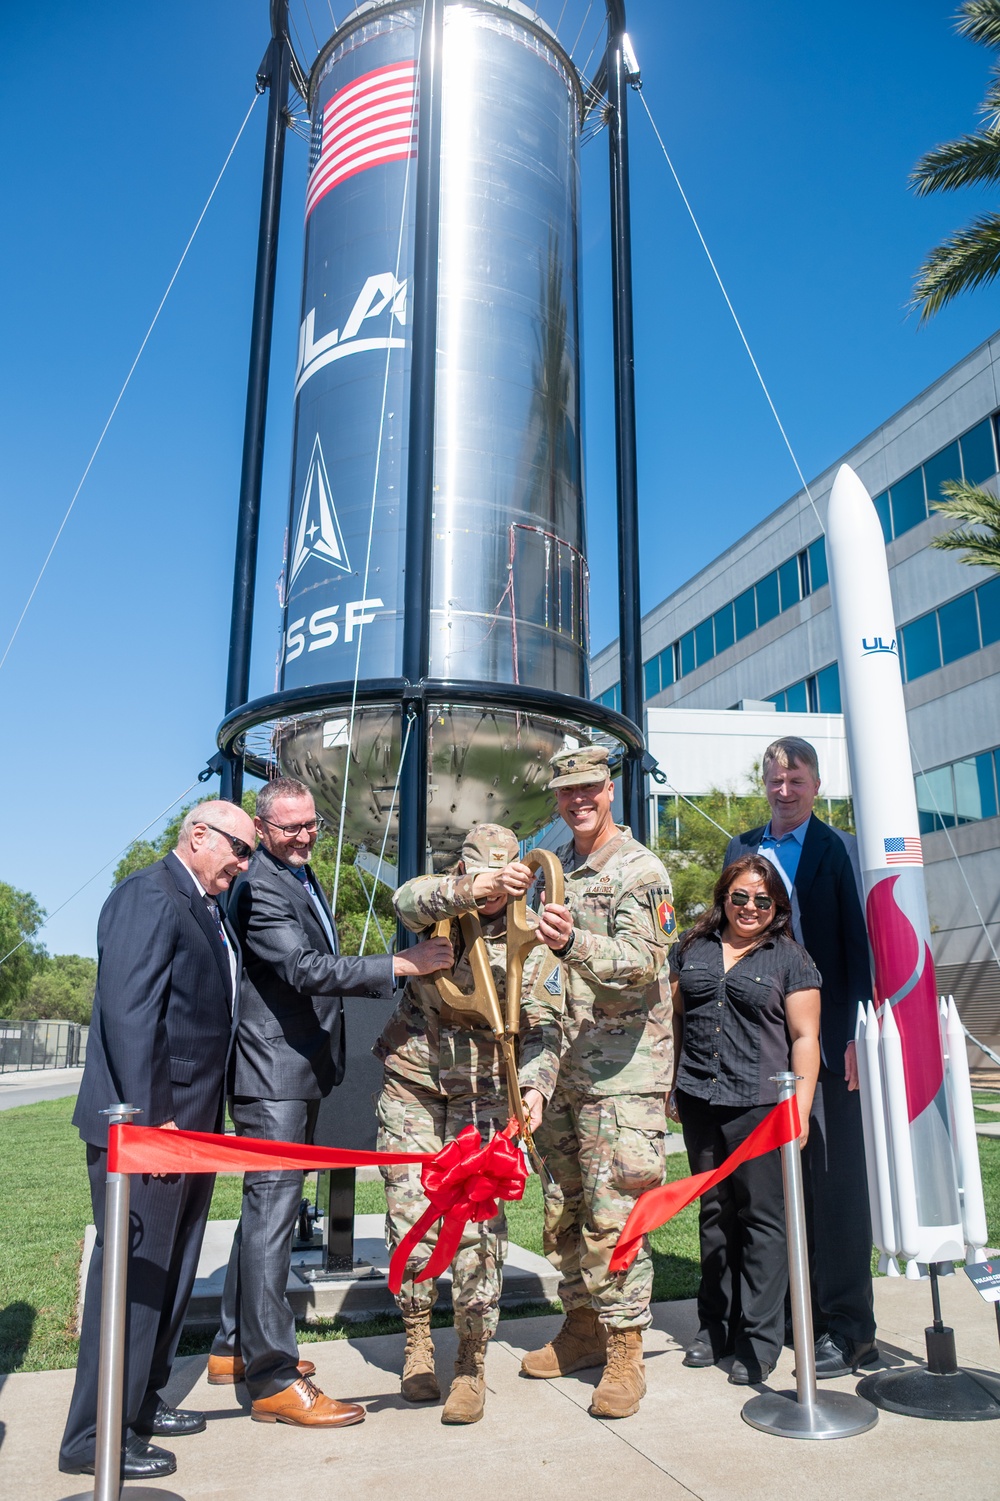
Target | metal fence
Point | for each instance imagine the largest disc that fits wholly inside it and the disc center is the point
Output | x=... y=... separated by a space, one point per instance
x=27 y=1045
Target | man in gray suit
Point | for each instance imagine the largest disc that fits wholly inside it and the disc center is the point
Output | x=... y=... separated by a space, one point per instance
x=289 y=1054
x=164 y=1012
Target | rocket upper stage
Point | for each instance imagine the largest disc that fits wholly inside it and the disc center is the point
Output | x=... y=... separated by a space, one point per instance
x=909 y=1086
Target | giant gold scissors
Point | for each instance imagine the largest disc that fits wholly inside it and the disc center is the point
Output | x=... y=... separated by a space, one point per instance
x=482 y=1000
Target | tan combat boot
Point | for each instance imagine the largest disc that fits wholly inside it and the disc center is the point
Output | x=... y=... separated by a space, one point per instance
x=419 y=1383
x=582 y=1342
x=623 y=1385
x=467 y=1398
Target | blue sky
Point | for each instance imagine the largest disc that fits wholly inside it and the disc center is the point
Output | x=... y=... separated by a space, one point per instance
x=793 y=129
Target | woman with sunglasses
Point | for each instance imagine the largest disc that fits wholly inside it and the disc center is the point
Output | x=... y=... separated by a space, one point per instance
x=746 y=1007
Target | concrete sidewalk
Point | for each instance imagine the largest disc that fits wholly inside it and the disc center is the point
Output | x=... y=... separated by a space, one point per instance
x=537 y=1440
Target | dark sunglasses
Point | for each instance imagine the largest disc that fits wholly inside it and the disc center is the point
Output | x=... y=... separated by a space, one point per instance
x=741 y=898
x=239 y=847
x=293 y=830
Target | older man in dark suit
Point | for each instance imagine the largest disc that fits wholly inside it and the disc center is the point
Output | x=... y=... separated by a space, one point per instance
x=819 y=865
x=163 y=1018
x=289 y=1054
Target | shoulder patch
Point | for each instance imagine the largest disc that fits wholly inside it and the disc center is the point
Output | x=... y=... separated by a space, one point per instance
x=554 y=983
x=661 y=907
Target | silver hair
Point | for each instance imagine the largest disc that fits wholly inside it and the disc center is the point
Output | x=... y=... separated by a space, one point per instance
x=791 y=751
x=201 y=814
x=280 y=787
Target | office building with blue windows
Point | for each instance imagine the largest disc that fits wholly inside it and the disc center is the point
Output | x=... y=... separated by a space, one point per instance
x=754 y=629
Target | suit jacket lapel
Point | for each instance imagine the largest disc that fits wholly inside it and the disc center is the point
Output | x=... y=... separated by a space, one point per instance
x=202 y=916
x=291 y=884
x=812 y=853
x=321 y=898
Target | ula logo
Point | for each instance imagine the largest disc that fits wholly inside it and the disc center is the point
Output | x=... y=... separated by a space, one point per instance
x=378 y=294
x=877 y=645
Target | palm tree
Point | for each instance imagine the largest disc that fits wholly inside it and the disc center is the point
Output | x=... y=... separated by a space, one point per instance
x=971 y=257
x=976 y=508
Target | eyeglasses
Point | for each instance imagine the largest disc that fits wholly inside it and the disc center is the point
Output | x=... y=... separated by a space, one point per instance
x=239 y=847
x=292 y=830
x=741 y=898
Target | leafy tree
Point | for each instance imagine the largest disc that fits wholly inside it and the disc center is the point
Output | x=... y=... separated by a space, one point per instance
x=352 y=896
x=20 y=918
x=975 y=508
x=971 y=257
x=61 y=989
x=692 y=841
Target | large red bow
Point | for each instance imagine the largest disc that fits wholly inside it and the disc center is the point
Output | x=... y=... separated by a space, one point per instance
x=464 y=1181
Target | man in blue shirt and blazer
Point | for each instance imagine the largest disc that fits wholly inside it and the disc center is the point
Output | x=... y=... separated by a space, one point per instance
x=164 y=1011
x=819 y=865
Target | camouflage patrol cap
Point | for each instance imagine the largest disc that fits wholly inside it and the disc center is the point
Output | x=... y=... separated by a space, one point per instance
x=489 y=846
x=575 y=768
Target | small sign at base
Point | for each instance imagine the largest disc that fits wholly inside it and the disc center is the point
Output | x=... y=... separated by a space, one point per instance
x=985 y=1278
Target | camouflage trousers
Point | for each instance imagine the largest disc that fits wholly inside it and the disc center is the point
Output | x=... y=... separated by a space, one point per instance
x=414 y=1119
x=602 y=1154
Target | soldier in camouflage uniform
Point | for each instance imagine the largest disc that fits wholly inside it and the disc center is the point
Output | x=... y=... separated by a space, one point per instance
x=603 y=1134
x=443 y=1072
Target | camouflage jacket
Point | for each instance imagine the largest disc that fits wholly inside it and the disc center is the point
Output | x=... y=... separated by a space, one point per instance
x=617 y=1018
x=426 y=1041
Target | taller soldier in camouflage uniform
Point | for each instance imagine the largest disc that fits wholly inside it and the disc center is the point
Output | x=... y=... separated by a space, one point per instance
x=443 y=1072
x=603 y=1134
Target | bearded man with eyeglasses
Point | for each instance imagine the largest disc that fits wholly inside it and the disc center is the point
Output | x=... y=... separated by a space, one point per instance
x=164 y=1011
x=289 y=1054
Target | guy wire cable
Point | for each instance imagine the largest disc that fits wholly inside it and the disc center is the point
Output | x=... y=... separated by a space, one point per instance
x=134 y=840
x=729 y=305
x=388 y=820
x=124 y=388
x=371 y=514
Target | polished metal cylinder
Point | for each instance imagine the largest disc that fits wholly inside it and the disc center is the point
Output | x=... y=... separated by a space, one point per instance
x=114 y=1287
x=800 y=1292
x=509 y=579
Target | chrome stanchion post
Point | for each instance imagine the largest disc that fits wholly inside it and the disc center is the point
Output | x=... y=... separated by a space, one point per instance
x=111 y=1369
x=806 y=1413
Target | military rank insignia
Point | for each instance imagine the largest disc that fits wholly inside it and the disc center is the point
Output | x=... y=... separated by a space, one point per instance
x=498 y=858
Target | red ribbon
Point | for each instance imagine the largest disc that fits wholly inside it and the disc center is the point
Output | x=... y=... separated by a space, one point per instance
x=659 y=1205
x=464 y=1181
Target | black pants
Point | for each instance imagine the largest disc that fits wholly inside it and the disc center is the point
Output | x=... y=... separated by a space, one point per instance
x=838 y=1220
x=744 y=1265
x=167 y=1223
x=256 y=1318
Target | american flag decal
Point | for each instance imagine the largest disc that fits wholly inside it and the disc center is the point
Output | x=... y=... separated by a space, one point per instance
x=899 y=851
x=367 y=122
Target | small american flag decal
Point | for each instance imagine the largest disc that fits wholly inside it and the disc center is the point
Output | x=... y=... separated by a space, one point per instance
x=903 y=851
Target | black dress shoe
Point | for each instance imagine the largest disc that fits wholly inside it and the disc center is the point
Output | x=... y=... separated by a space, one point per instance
x=749 y=1374
x=171 y=1422
x=142 y=1462
x=838 y=1356
x=699 y=1352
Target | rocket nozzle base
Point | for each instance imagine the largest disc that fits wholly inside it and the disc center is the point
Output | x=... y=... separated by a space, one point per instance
x=959 y=1397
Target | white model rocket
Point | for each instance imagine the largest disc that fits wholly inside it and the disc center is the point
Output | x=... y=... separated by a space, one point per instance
x=923 y=1164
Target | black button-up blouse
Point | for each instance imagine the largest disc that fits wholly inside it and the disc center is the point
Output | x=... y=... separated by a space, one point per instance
x=735 y=1034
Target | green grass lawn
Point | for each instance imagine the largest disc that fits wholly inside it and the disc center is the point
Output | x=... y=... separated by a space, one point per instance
x=45 y=1206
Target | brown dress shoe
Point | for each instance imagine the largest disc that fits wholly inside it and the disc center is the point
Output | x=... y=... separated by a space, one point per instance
x=304 y=1406
x=228 y=1370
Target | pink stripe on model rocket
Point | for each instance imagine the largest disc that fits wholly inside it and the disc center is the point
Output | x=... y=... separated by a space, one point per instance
x=909 y=1119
